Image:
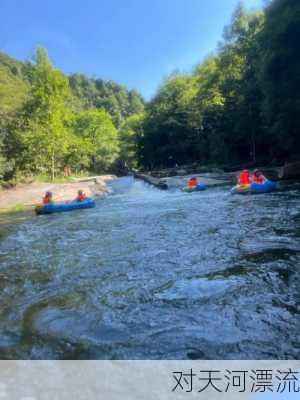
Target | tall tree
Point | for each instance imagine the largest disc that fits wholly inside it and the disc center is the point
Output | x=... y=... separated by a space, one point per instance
x=13 y=93
x=130 y=137
x=44 y=134
x=239 y=71
x=168 y=137
x=281 y=77
x=99 y=138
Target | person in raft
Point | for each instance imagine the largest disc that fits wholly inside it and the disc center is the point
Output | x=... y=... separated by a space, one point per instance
x=244 y=178
x=192 y=183
x=48 y=198
x=80 y=196
x=258 y=177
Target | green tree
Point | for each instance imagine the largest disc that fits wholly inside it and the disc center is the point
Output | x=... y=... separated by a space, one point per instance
x=45 y=132
x=168 y=136
x=100 y=138
x=130 y=136
x=208 y=111
x=13 y=93
x=281 y=77
x=108 y=95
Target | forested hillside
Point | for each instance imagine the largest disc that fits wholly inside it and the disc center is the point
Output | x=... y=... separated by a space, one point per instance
x=49 y=121
x=112 y=97
x=241 y=105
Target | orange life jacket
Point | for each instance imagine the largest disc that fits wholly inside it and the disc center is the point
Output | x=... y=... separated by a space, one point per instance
x=244 y=178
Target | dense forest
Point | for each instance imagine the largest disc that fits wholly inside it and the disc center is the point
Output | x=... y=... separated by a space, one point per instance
x=240 y=105
x=49 y=121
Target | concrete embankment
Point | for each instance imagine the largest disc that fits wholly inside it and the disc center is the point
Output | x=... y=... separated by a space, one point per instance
x=159 y=183
x=176 y=177
x=210 y=179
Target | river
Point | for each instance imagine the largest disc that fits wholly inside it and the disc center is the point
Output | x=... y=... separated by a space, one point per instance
x=151 y=274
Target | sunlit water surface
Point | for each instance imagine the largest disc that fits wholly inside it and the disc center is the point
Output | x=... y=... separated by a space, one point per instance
x=149 y=274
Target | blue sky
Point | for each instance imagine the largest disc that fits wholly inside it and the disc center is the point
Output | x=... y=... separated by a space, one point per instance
x=134 y=42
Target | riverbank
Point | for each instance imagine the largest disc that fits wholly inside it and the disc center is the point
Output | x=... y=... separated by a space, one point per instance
x=213 y=176
x=25 y=196
x=290 y=170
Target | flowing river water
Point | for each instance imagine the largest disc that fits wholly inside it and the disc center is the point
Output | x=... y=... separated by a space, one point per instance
x=151 y=274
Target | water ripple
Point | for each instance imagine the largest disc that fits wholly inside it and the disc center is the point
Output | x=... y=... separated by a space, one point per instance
x=149 y=274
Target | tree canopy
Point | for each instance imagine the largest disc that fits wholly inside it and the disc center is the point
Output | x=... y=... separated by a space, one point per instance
x=50 y=121
x=108 y=95
x=240 y=105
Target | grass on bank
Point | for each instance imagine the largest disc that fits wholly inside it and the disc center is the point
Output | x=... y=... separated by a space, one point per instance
x=16 y=209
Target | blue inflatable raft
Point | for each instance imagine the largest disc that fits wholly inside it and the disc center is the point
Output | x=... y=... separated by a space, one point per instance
x=255 y=188
x=199 y=188
x=62 y=207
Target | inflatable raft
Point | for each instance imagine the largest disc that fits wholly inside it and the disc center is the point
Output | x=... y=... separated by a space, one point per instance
x=62 y=207
x=199 y=188
x=254 y=188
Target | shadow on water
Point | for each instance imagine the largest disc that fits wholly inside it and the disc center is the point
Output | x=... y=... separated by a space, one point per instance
x=152 y=274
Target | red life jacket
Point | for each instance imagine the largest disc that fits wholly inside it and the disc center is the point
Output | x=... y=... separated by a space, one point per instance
x=258 y=179
x=244 y=178
x=81 y=197
x=46 y=200
x=192 y=183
